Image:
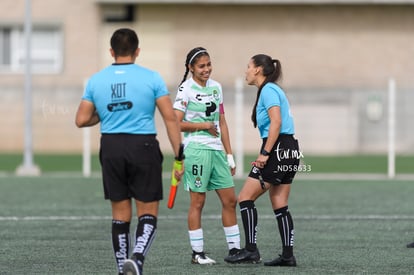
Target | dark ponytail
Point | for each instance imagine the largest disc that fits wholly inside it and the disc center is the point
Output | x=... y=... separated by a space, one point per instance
x=185 y=75
x=192 y=57
x=272 y=71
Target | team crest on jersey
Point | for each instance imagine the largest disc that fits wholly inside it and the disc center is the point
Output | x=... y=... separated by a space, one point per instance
x=216 y=95
x=182 y=102
x=197 y=182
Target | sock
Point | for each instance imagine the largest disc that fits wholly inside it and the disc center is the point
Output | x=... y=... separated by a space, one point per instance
x=196 y=240
x=249 y=217
x=286 y=230
x=232 y=236
x=144 y=236
x=120 y=242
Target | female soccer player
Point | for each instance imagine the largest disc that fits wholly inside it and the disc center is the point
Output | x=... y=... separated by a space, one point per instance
x=199 y=108
x=276 y=164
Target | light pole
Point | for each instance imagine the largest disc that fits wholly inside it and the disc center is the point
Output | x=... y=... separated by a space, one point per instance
x=28 y=168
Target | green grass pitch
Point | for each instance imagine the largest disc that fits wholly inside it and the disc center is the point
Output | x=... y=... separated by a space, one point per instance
x=61 y=225
x=318 y=164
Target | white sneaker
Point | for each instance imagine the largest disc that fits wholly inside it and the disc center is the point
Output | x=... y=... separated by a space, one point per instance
x=201 y=258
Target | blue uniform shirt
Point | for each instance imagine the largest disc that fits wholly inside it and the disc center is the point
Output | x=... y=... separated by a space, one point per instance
x=124 y=96
x=272 y=95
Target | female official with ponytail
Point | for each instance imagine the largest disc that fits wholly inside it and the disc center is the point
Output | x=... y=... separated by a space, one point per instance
x=275 y=166
x=209 y=164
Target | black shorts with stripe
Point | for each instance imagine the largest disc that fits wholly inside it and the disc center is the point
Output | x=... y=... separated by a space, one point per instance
x=131 y=167
x=283 y=162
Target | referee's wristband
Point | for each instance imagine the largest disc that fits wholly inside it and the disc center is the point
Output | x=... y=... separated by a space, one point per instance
x=180 y=158
x=181 y=155
x=264 y=152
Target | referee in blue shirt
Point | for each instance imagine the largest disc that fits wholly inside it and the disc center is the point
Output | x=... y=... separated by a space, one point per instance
x=122 y=98
x=275 y=166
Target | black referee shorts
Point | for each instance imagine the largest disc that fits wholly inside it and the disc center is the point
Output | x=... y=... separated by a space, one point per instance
x=131 y=167
x=283 y=162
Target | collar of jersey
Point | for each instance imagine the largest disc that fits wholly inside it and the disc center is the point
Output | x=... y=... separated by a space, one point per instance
x=198 y=85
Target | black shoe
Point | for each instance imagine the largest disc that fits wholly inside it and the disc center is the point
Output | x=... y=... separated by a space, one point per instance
x=234 y=251
x=244 y=256
x=410 y=245
x=282 y=261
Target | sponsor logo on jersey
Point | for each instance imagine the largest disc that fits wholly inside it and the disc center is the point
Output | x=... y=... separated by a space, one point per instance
x=119 y=106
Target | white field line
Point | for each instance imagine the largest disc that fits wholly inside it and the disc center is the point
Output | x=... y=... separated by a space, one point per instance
x=212 y=217
x=299 y=176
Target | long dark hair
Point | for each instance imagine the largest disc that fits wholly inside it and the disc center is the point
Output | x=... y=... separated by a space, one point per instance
x=272 y=70
x=192 y=57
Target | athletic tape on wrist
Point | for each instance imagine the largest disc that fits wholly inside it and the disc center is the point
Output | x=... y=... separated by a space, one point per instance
x=230 y=161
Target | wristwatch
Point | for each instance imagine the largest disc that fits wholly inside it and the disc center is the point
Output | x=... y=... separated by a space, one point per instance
x=264 y=152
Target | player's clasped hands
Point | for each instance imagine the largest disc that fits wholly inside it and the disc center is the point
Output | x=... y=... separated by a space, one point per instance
x=212 y=129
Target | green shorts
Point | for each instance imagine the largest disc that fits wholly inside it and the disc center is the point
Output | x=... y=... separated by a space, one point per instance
x=206 y=170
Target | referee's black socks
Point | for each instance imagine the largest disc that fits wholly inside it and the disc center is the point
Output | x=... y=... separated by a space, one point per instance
x=249 y=217
x=286 y=230
x=144 y=236
x=120 y=242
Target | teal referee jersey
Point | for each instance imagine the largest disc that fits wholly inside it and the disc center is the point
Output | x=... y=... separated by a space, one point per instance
x=124 y=96
x=270 y=96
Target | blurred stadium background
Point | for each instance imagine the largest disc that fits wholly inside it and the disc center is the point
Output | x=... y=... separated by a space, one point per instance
x=337 y=56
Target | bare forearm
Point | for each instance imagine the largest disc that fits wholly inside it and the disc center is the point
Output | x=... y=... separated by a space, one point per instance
x=93 y=121
x=274 y=127
x=174 y=134
x=195 y=126
x=225 y=138
x=274 y=130
x=84 y=121
x=86 y=114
